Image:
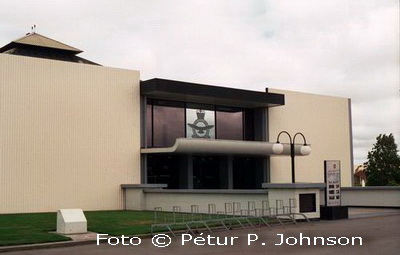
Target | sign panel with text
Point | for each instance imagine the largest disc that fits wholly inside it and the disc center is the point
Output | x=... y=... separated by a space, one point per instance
x=332 y=180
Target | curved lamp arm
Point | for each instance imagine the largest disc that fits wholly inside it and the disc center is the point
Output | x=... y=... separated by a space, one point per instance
x=304 y=138
x=277 y=148
x=305 y=149
x=284 y=132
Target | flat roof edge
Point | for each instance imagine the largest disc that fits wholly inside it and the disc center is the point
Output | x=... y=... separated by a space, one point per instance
x=208 y=94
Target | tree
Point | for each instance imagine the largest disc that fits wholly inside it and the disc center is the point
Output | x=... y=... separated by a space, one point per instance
x=383 y=165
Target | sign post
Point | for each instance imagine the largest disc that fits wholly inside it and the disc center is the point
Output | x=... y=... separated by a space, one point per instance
x=332 y=181
x=333 y=208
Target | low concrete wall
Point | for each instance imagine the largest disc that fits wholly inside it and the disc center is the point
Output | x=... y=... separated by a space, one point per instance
x=372 y=196
x=149 y=198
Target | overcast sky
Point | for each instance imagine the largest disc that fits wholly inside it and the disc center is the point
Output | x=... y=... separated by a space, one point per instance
x=333 y=47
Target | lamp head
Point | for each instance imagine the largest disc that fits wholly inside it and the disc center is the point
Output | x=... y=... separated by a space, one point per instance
x=277 y=148
x=305 y=150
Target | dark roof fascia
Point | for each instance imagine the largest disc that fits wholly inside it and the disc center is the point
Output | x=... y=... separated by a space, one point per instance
x=71 y=55
x=12 y=45
x=6 y=47
x=207 y=94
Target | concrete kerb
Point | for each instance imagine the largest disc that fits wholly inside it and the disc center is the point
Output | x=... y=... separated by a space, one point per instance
x=38 y=246
x=44 y=245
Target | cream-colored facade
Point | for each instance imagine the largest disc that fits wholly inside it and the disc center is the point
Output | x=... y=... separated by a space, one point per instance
x=69 y=134
x=326 y=123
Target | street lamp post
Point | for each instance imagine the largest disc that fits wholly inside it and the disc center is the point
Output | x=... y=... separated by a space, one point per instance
x=304 y=150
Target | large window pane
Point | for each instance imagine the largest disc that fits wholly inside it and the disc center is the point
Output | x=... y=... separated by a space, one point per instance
x=247 y=173
x=149 y=125
x=168 y=124
x=206 y=172
x=163 y=169
x=229 y=125
x=249 y=121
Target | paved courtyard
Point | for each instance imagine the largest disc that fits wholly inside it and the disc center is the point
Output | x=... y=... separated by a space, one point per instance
x=379 y=230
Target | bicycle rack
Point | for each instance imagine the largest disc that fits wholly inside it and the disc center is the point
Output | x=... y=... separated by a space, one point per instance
x=233 y=216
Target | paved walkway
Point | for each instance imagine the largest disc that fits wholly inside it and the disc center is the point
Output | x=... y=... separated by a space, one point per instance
x=380 y=235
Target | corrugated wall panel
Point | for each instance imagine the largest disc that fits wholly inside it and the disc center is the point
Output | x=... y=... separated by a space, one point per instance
x=324 y=120
x=69 y=135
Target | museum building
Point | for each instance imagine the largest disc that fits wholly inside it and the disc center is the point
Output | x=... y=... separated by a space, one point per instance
x=75 y=134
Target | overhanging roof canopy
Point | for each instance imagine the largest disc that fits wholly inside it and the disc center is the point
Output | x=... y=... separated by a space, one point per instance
x=206 y=94
x=224 y=147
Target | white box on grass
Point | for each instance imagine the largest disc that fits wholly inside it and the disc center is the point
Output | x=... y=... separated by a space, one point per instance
x=71 y=221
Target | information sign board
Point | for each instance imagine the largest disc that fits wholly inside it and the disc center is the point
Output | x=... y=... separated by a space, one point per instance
x=332 y=180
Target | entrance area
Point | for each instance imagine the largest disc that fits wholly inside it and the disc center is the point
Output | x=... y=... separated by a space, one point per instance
x=164 y=169
x=205 y=171
x=247 y=173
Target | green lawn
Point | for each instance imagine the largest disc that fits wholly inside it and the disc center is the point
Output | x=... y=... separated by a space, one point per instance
x=35 y=227
x=28 y=228
x=120 y=222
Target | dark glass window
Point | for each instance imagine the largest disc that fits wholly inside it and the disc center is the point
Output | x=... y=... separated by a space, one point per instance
x=206 y=172
x=149 y=125
x=249 y=131
x=163 y=169
x=168 y=123
x=229 y=125
x=247 y=173
x=307 y=203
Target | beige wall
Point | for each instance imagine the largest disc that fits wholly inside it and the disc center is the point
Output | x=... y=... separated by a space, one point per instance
x=69 y=135
x=324 y=120
x=371 y=196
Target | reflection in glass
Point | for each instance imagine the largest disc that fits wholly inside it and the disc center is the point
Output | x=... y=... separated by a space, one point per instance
x=230 y=125
x=149 y=125
x=168 y=125
x=200 y=123
x=168 y=120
